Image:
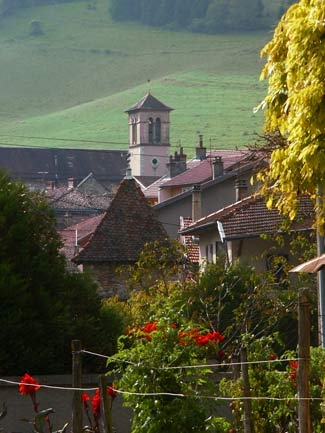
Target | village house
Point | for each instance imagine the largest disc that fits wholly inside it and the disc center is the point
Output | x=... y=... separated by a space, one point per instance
x=117 y=241
x=246 y=231
x=75 y=203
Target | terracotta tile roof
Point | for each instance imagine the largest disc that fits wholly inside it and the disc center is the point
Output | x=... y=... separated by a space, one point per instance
x=127 y=225
x=201 y=171
x=251 y=217
x=78 y=234
x=192 y=248
x=150 y=103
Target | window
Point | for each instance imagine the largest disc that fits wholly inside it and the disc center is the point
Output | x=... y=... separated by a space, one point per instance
x=134 y=133
x=150 y=130
x=158 y=131
x=209 y=253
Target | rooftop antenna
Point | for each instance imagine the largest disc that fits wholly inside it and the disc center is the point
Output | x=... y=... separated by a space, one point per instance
x=148 y=81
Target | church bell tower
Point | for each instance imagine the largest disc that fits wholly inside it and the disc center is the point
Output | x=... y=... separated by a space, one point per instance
x=149 y=145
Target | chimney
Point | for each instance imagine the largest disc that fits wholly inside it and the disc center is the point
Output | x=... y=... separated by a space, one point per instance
x=177 y=165
x=50 y=185
x=71 y=183
x=241 y=189
x=196 y=202
x=201 y=151
x=217 y=167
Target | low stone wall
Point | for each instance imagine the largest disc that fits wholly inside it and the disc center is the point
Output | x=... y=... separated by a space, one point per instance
x=20 y=410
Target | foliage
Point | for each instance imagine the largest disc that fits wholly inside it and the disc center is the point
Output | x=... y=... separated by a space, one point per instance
x=212 y=16
x=158 y=264
x=234 y=299
x=43 y=307
x=8 y=7
x=275 y=382
x=241 y=305
x=163 y=395
x=294 y=106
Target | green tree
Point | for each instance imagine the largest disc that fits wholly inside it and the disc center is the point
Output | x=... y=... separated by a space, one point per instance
x=43 y=307
x=163 y=395
x=273 y=385
x=294 y=106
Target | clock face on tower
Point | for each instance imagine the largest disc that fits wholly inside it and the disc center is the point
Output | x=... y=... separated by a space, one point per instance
x=155 y=162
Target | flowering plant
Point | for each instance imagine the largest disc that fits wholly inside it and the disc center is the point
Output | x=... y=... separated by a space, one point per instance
x=92 y=408
x=162 y=370
x=28 y=386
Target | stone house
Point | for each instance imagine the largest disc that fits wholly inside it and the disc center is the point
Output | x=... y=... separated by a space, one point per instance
x=127 y=225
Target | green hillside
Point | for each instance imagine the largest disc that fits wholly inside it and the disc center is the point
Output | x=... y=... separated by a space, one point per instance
x=75 y=81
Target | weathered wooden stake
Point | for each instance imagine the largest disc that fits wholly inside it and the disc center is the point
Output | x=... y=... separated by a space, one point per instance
x=76 y=383
x=105 y=406
x=304 y=361
x=248 y=421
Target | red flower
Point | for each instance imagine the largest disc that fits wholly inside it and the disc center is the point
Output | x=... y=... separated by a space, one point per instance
x=28 y=385
x=96 y=403
x=203 y=340
x=150 y=327
x=293 y=374
x=294 y=365
x=96 y=399
x=85 y=397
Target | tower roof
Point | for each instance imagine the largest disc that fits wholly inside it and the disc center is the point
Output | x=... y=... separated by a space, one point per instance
x=127 y=225
x=149 y=103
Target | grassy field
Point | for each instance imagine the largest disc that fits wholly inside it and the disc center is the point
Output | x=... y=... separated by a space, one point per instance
x=71 y=86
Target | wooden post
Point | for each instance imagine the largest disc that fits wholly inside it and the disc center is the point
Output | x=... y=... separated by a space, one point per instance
x=105 y=406
x=76 y=383
x=248 y=421
x=304 y=361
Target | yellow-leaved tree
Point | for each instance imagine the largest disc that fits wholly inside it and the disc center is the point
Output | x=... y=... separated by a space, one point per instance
x=295 y=106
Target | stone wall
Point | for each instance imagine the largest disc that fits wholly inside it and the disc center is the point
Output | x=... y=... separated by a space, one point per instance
x=111 y=279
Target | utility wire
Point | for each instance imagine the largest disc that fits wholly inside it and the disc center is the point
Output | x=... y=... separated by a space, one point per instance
x=153 y=394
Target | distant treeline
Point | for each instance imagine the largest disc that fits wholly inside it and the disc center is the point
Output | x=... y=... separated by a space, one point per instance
x=7 y=7
x=206 y=16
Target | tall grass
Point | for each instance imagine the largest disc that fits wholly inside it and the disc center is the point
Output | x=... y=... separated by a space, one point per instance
x=75 y=81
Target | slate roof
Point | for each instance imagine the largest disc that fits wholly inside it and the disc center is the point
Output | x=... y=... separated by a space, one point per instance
x=48 y=164
x=127 y=225
x=149 y=103
x=81 y=197
x=250 y=217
